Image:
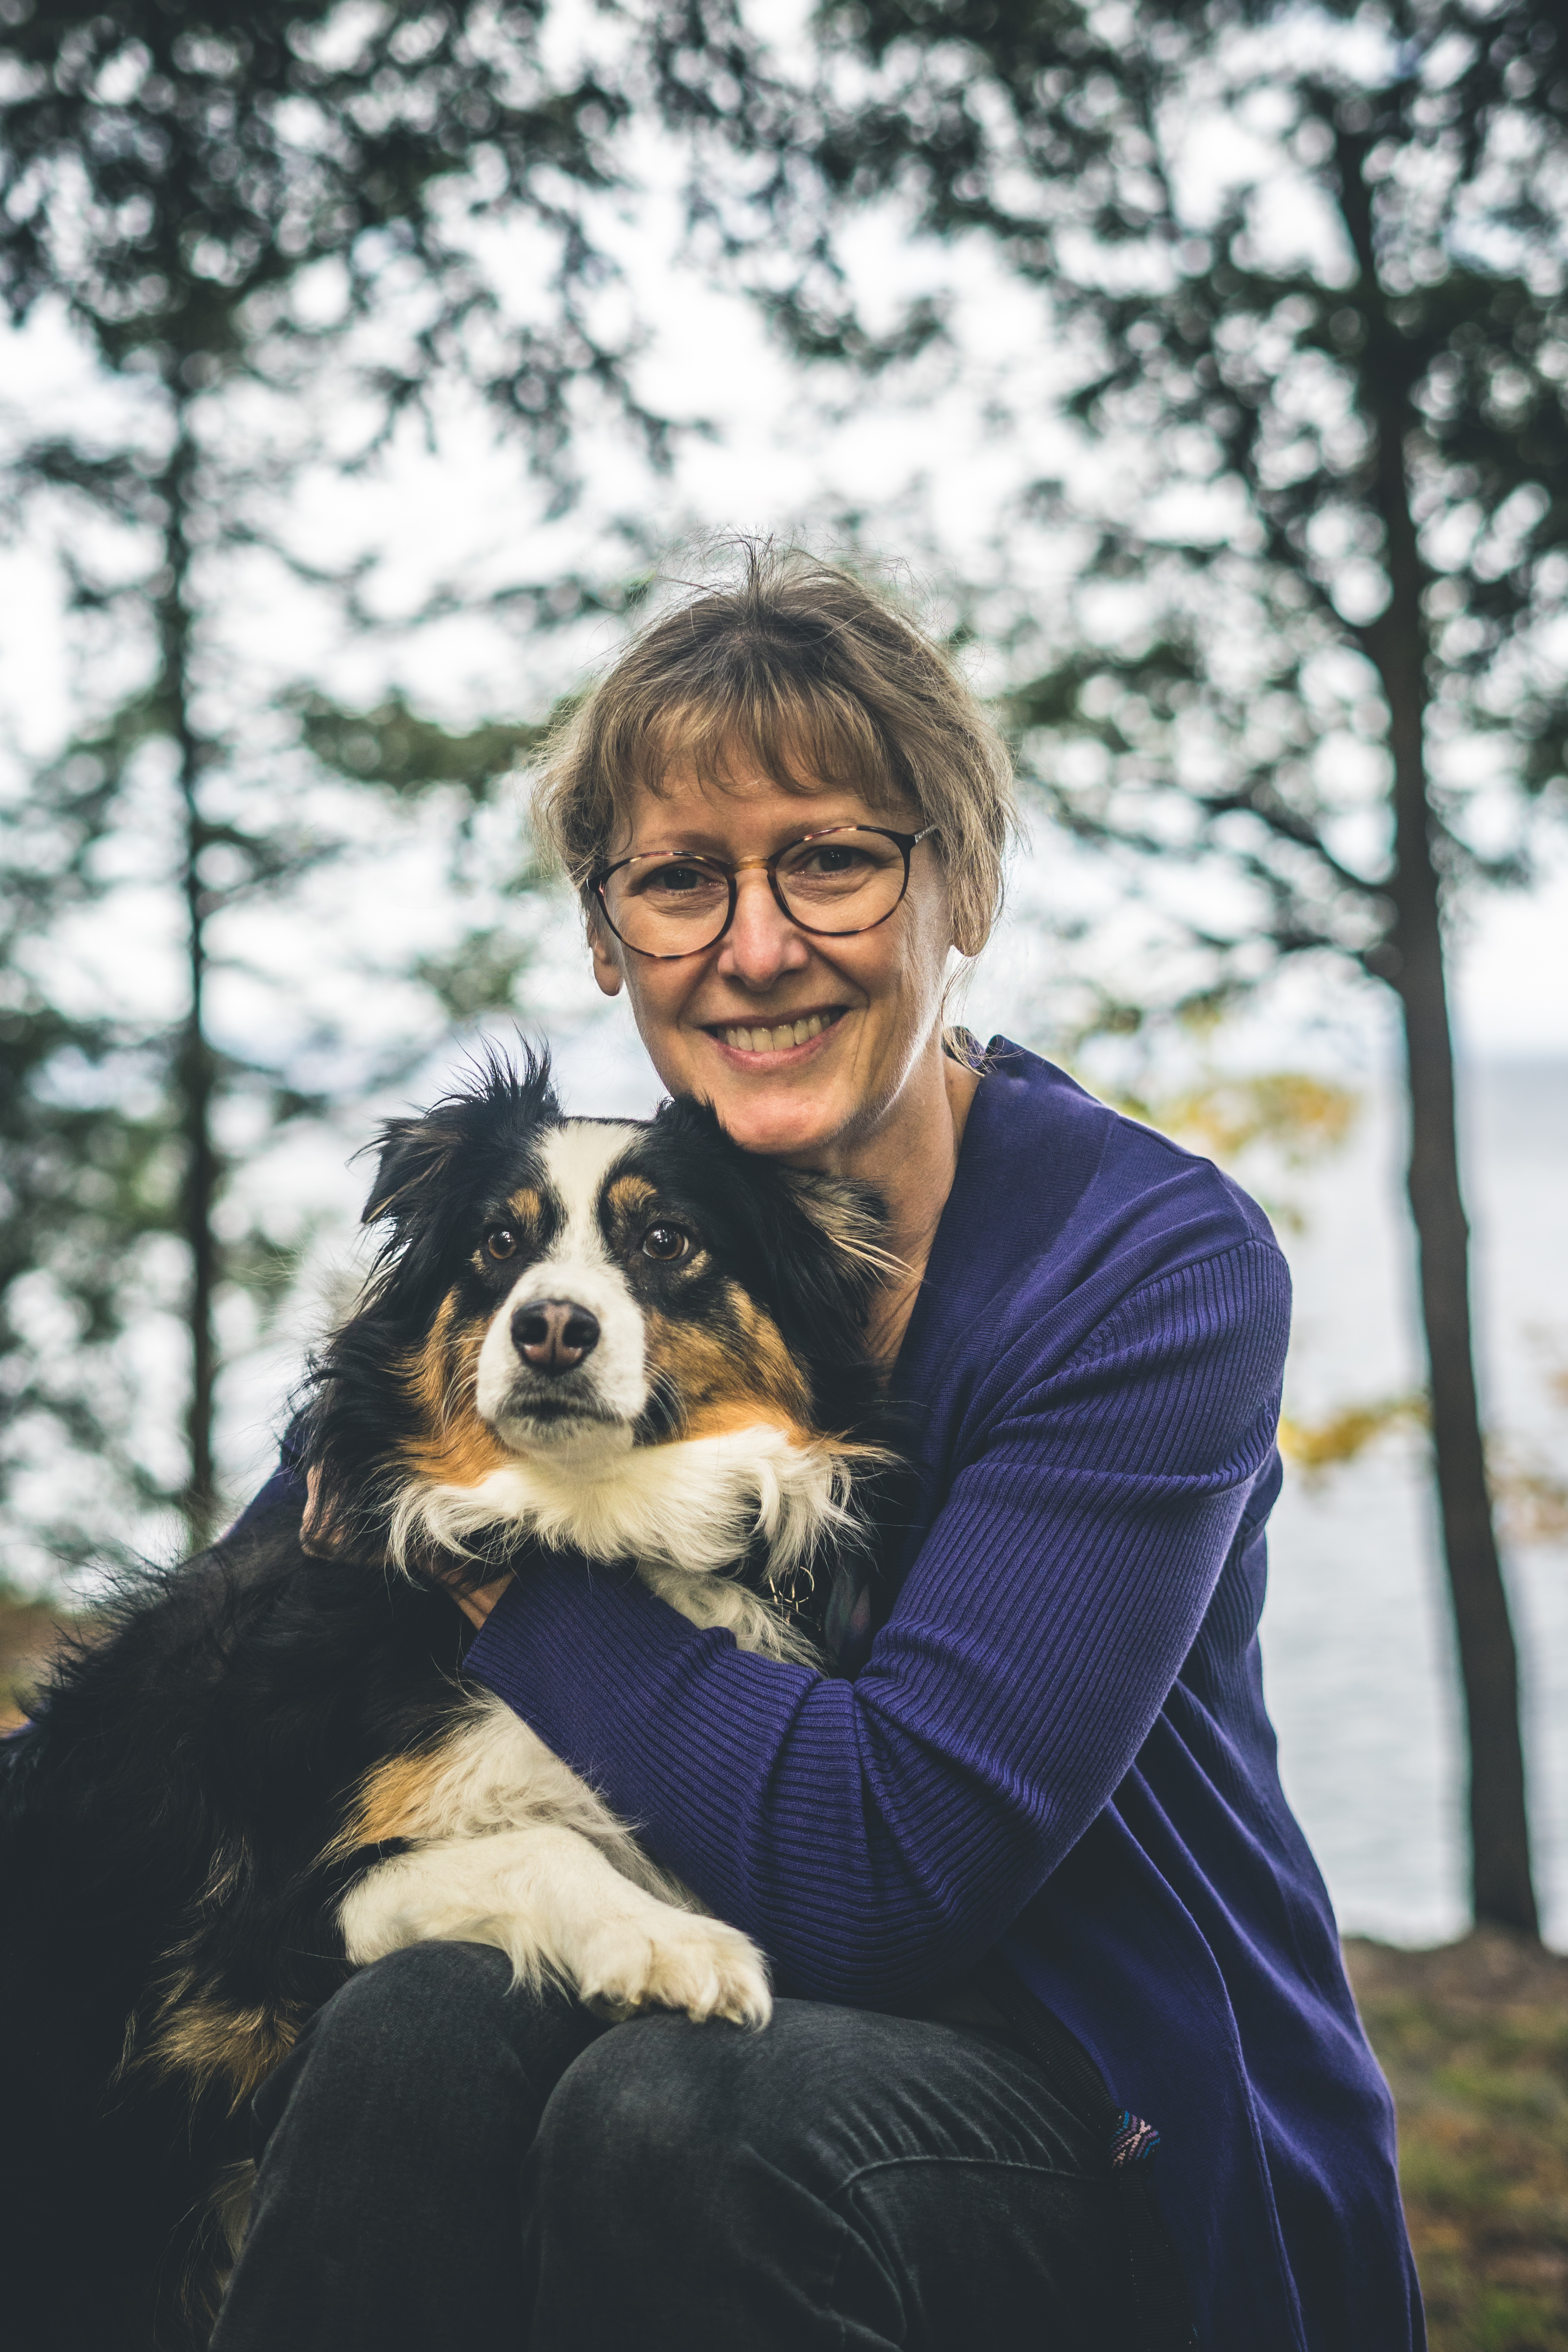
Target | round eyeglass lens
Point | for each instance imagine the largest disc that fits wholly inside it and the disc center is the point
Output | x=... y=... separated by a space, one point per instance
x=668 y=906
x=843 y=881
x=848 y=879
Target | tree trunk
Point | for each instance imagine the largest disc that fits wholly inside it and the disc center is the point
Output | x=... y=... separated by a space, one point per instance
x=1502 y=1886
x=194 y=1067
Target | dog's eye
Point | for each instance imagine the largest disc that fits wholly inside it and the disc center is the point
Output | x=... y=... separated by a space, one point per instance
x=500 y=1242
x=665 y=1243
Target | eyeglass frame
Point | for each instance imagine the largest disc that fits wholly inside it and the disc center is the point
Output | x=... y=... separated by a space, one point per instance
x=905 y=843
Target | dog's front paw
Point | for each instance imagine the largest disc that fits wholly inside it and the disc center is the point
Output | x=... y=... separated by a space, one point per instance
x=686 y=1962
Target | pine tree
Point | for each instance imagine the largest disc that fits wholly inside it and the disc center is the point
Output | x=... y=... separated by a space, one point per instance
x=173 y=181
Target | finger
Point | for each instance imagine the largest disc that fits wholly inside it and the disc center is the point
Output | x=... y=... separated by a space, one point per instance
x=477 y=1603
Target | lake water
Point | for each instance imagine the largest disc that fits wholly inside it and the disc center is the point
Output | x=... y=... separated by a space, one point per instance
x=1357 y=1646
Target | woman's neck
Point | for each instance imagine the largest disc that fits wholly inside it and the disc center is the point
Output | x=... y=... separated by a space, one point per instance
x=912 y=1164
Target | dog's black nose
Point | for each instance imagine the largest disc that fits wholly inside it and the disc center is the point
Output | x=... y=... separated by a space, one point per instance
x=554 y=1334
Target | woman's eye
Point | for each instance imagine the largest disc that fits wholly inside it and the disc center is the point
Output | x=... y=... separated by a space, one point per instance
x=500 y=1242
x=665 y=1243
x=681 y=882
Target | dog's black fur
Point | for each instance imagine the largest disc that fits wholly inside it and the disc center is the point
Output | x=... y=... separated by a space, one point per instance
x=168 y=1878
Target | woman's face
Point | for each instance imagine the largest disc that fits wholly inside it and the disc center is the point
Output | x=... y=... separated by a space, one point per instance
x=832 y=1100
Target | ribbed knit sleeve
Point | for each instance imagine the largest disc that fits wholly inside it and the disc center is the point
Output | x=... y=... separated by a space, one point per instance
x=878 y=1835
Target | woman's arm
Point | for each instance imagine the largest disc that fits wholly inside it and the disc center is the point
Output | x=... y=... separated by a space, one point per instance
x=876 y=1835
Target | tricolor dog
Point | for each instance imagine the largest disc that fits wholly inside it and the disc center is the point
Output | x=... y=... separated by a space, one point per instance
x=633 y=1342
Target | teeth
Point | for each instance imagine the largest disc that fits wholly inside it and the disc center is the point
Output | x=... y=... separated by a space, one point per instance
x=775 y=1041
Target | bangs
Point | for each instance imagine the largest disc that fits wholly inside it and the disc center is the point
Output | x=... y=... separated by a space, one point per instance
x=803 y=739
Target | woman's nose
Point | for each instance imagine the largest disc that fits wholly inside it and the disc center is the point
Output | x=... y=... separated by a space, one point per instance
x=762 y=942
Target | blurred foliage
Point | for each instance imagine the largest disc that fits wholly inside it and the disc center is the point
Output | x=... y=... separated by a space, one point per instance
x=1532 y=1486
x=266 y=227
x=1343 y=1436
x=1530 y=1494
x=173 y=174
x=1254 y=1124
x=409 y=756
x=1302 y=1116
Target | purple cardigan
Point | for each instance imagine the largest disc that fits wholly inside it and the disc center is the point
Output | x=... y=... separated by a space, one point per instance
x=1057 y=1742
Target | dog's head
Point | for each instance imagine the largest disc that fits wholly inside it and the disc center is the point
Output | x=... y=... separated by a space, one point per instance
x=555 y=1294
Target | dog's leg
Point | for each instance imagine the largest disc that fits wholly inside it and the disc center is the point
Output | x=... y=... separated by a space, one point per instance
x=551 y=1901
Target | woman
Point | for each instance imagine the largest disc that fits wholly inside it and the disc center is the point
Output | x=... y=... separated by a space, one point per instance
x=1047 y=1798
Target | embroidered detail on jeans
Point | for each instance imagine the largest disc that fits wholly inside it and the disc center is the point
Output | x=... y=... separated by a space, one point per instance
x=1133 y=2141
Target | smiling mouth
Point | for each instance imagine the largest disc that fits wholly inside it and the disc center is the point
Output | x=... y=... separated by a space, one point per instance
x=782 y=1036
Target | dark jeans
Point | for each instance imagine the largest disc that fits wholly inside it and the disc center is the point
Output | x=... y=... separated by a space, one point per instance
x=446 y=2162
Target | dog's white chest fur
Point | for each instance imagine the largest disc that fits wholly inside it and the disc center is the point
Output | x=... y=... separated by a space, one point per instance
x=685 y=1513
x=515 y=1850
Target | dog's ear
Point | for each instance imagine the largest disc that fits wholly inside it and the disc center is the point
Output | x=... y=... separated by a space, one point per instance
x=421 y=1162
x=851 y=1215
x=837 y=1284
x=412 y=1157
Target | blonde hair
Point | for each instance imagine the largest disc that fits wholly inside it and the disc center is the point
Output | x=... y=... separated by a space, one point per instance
x=802 y=671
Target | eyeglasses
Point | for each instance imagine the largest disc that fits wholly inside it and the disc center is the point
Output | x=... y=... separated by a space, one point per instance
x=845 y=879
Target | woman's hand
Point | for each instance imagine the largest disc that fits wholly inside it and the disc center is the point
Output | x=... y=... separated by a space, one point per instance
x=477 y=1603
x=318 y=1537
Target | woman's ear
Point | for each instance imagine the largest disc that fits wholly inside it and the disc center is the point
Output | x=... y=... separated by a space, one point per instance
x=603 y=947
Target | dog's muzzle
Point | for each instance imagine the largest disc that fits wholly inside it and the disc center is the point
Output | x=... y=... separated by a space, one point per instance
x=564 y=1356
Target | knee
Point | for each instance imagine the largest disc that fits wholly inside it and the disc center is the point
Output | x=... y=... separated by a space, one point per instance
x=628 y=2188
x=429 y=2014
x=651 y=2106
x=672 y=2172
x=440 y=1996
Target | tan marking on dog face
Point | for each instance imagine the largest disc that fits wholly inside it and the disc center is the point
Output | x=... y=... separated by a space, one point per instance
x=427 y=1369
x=397 y=1801
x=525 y=1210
x=461 y=1455
x=729 y=1378
x=770 y=1360
x=628 y=1194
x=454 y=1446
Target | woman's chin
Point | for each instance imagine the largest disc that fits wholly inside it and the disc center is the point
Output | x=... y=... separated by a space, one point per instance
x=777 y=1121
